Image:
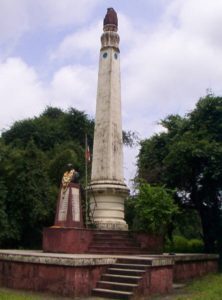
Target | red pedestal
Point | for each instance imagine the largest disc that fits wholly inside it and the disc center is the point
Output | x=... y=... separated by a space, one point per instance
x=66 y=240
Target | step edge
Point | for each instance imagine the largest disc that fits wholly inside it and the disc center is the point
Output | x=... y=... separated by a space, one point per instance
x=123 y=276
x=118 y=283
x=127 y=270
x=113 y=291
x=133 y=265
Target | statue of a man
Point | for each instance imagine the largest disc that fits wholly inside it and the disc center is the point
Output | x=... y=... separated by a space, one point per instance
x=71 y=175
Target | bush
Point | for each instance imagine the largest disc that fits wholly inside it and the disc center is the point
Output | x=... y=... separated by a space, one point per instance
x=196 y=246
x=182 y=245
x=154 y=208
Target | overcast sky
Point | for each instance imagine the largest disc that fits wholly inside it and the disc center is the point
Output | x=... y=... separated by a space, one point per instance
x=171 y=53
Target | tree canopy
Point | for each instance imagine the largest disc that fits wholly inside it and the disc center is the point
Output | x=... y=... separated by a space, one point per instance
x=33 y=155
x=187 y=157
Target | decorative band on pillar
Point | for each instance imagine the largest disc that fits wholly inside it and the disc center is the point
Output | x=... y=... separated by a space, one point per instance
x=110 y=39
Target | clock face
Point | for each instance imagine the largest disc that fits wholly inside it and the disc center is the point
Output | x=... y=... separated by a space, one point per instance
x=115 y=55
x=105 y=54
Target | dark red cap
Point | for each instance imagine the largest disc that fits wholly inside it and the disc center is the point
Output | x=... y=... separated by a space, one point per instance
x=110 y=18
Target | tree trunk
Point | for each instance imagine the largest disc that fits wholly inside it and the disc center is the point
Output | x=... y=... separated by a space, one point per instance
x=209 y=226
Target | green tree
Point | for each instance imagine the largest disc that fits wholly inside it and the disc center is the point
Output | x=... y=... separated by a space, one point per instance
x=4 y=232
x=188 y=158
x=30 y=201
x=154 y=208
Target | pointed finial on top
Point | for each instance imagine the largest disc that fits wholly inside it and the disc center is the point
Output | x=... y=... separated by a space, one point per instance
x=110 y=22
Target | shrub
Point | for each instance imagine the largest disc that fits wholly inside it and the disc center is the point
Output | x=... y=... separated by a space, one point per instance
x=154 y=208
x=196 y=246
x=182 y=245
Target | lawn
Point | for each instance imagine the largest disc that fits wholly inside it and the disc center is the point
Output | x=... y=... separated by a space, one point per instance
x=13 y=295
x=7 y=294
x=206 y=288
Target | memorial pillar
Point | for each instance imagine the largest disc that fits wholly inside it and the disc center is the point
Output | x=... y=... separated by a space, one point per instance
x=107 y=188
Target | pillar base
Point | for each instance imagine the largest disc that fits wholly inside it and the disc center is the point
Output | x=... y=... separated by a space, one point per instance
x=111 y=225
x=107 y=204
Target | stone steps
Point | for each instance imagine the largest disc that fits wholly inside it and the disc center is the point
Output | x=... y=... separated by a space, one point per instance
x=119 y=244
x=134 y=260
x=106 y=293
x=126 y=251
x=121 y=279
x=101 y=232
x=106 y=247
x=125 y=242
x=114 y=242
x=117 y=271
x=120 y=286
x=131 y=266
x=113 y=237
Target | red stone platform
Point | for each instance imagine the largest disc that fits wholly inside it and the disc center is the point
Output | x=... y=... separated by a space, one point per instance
x=81 y=275
x=78 y=240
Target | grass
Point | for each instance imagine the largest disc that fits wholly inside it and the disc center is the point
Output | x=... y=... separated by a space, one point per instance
x=11 y=295
x=7 y=294
x=207 y=288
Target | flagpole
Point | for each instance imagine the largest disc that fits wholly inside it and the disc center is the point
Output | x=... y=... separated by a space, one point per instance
x=86 y=180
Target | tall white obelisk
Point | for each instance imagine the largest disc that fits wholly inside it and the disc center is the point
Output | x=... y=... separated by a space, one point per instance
x=107 y=188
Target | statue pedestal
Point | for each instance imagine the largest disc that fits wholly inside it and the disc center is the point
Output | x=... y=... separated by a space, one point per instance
x=69 y=210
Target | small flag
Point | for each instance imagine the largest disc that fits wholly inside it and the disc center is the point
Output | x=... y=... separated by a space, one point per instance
x=88 y=155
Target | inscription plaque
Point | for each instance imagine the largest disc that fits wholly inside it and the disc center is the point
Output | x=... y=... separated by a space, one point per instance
x=75 y=205
x=63 y=207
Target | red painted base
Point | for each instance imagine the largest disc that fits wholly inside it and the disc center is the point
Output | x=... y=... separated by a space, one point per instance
x=60 y=280
x=66 y=240
x=79 y=240
x=184 y=271
x=78 y=281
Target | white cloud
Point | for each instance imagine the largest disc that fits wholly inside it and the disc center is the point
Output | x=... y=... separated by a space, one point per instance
x=13 y=23
x=80 y=44
x=21 y=93
x=19 y=17
x=199 y=18
x=65 y=12
x=74 y=86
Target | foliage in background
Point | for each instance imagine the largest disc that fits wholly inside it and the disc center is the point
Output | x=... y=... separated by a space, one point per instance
x=33 y=154
x=187 y=224
x=187 y=157
x=180 y=244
